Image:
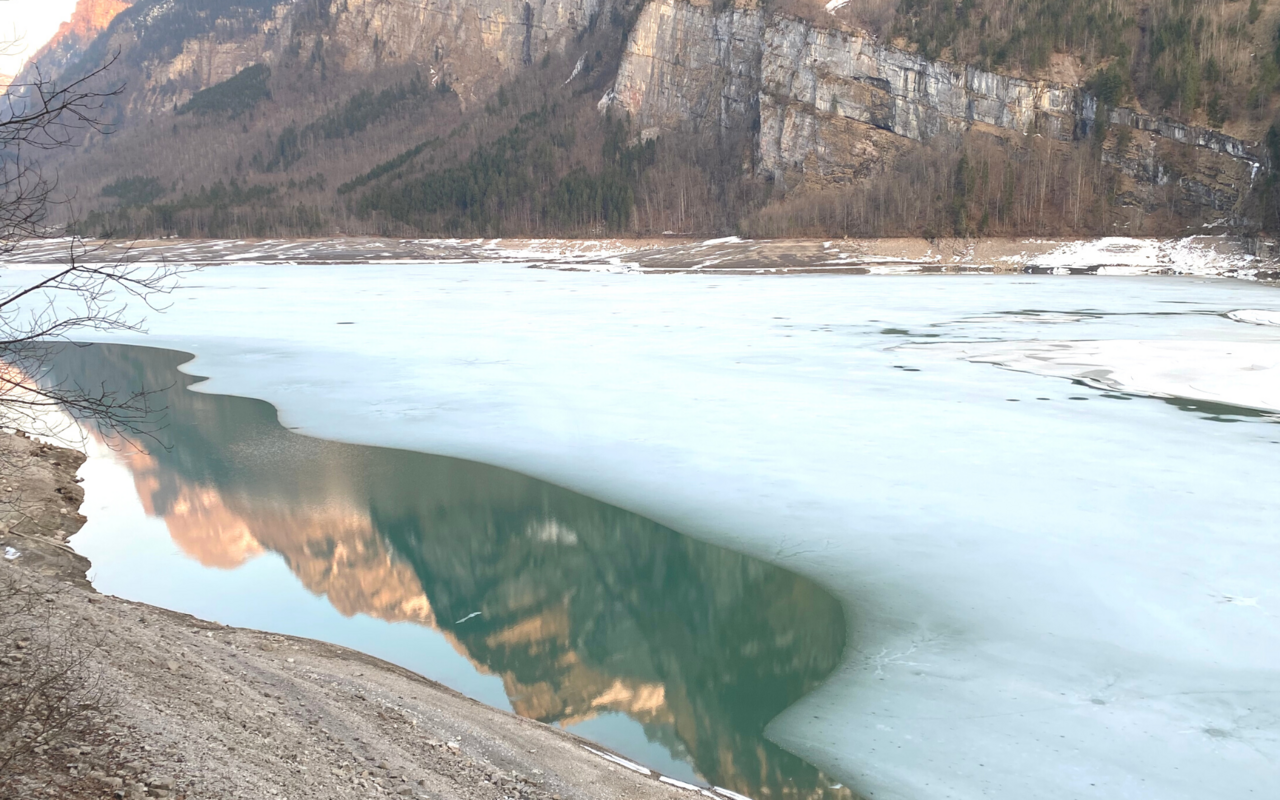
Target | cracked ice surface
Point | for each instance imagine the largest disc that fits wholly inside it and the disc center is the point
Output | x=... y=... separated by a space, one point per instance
x=1047 y=598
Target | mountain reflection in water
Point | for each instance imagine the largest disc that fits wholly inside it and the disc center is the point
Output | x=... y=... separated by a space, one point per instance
x=582 y=608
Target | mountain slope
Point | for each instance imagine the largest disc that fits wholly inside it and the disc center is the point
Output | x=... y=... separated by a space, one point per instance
x=89 y=19
x=574 y=117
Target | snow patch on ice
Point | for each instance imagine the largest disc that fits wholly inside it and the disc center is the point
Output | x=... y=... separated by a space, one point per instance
x=1234 y=373
x=1256 y=317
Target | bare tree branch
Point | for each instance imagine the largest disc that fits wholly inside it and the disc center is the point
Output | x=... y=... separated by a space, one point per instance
x=40 y=115
x=82 y=296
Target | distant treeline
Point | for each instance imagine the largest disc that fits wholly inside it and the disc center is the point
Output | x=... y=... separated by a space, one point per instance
x=519 y=181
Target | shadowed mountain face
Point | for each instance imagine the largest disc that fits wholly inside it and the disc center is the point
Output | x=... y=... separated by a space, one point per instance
x=580 y=607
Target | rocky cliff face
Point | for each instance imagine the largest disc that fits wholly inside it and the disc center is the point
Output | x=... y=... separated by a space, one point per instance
x=90 y=18
x=211 y=58
x=173 y=49
x=834 y=104
x=470 y=39
x=685 y=63
x=809 y=75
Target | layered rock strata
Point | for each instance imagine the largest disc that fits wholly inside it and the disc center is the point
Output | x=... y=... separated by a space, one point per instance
x=508 y=34
x=823 y=98
x=685 y=64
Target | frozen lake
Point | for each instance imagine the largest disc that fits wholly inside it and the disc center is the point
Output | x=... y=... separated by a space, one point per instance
x=1057 y=578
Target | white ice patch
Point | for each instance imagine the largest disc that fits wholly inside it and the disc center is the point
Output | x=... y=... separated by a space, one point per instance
x=1256 y=317
x=1245 y=374
x=10 y=554
x=836 y=5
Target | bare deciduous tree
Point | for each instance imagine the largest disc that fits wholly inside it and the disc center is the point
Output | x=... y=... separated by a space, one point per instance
x=52 y=693
x=82 y=295
x=40 y=114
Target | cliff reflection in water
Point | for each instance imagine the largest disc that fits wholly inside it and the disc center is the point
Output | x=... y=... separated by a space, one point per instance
x=584 y=608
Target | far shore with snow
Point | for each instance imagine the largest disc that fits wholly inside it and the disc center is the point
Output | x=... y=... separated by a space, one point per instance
x=1205 y=256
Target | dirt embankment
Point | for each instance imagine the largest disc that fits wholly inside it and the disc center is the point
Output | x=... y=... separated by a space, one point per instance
x=159 y=704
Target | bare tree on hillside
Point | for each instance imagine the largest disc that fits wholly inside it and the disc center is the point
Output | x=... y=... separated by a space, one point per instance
x=38 y=114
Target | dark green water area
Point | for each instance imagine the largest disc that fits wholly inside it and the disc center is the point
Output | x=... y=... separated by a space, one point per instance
x=672 y=651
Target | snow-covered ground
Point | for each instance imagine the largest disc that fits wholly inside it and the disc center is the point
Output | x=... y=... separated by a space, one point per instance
x=1068 y=596
x=1194 y=255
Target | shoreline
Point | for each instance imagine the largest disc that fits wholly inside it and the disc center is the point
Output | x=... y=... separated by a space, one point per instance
x=205 y=710
x=1201 y=255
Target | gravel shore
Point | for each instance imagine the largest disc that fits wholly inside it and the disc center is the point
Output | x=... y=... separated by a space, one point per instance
x=194 y=709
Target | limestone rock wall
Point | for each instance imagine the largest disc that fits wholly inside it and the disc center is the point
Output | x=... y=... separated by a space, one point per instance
x=685 y=62
x=470 y=42
x=207 y=60
x=830 y=102
x=811 y=78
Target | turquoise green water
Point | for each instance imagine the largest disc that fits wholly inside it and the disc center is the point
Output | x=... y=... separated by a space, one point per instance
x=523 y=594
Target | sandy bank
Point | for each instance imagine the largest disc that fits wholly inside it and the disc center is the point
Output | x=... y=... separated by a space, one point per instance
x=199 y=710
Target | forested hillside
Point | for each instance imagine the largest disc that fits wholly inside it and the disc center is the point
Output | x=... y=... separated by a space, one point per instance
x=1212 y=60
x=493 y=118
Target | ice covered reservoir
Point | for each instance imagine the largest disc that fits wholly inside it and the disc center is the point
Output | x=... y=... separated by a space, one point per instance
x=1059 y=576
